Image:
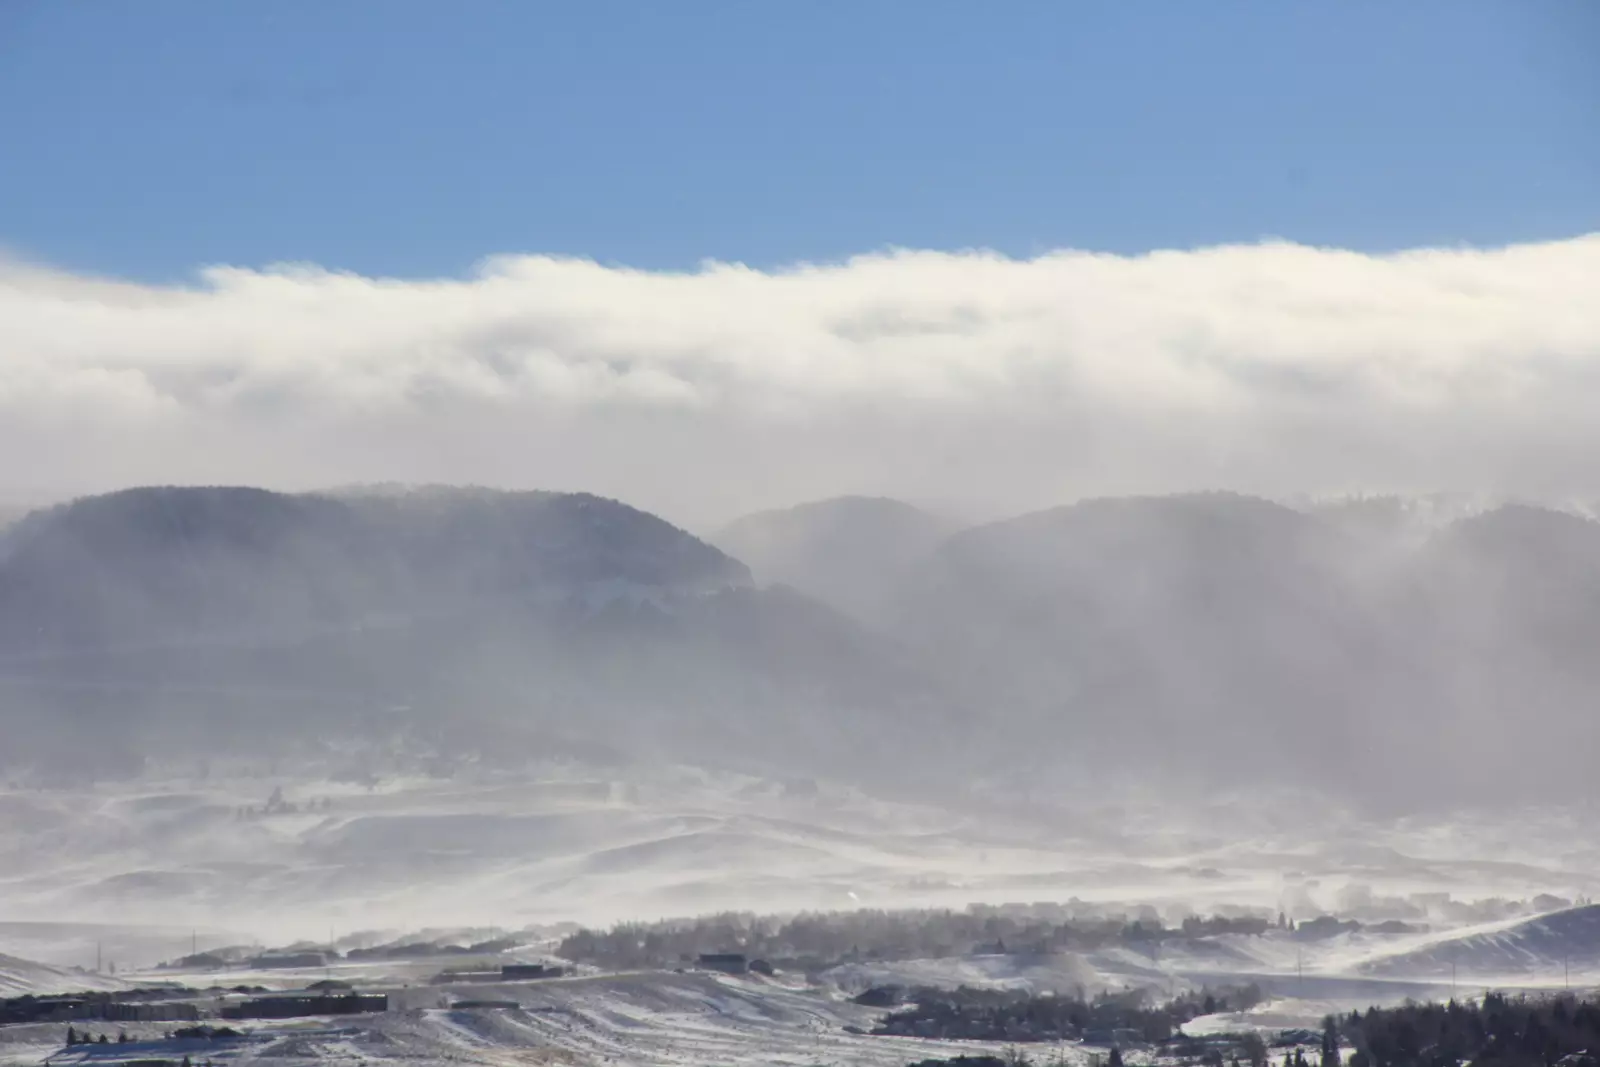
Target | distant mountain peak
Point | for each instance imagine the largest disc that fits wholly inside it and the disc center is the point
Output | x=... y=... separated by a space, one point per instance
x=169 y=559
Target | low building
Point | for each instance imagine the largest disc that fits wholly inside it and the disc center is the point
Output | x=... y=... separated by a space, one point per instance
x=31 y=1009
x=330 y=985
x=301 y=1004
x=726 y=962
x=449 y=977
x=294 y=960
x=882 y=996
x=1119 y=1037
x=118 y=1007
x=158 y=1012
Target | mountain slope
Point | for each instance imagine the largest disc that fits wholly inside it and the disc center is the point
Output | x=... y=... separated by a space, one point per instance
x=1187 y=642
x=1205 y=619
x=19 y=977
x=149 y=564
x=848 y=552
x=10 y=514
x=1216 y=636
x=176 y=620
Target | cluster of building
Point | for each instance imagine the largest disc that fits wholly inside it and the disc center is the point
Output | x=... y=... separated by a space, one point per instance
x=321 y=998
x=306 y=1002
x=733 y=963
x=510 y=972
x=110 y=1007
x=136 y=1006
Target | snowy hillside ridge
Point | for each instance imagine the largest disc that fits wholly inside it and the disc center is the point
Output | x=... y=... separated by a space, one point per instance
x=1430 y=512
x=1244 y=632
x=652 y=1020
x=1164 y=642
x=558 y=841
x=1565 y=942
x=19 y=977
x=1411 y=515
x=526 y=539
x=1065 y=973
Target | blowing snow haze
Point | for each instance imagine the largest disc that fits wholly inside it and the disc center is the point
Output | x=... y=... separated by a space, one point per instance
x=622 y=533
x=910 y=578
x=1374 y=651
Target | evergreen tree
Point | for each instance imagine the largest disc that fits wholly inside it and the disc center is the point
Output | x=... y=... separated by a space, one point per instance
x=1330 y=1042
x=1116 y=1058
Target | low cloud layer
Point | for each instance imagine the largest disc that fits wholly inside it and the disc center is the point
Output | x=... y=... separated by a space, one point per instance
x=967 y=379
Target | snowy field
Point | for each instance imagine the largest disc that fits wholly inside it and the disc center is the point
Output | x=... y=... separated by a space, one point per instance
x=572 y=844
x=646 y=1018
x=137 y=873
x=655 y=1018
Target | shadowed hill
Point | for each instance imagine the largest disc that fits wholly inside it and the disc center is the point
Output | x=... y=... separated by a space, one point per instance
x=145 y=564
x=850 y=552
x=1147 y=624
x=1186 y=642
x=1190 y=638
x=10 y=514
x=160 y=618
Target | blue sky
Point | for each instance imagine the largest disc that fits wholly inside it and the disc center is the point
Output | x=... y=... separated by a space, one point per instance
x=413 y=138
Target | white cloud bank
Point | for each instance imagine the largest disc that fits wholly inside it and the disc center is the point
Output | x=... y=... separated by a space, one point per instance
x=960 y=377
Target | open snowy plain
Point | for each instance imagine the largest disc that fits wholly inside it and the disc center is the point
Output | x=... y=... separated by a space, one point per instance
x=568 y=843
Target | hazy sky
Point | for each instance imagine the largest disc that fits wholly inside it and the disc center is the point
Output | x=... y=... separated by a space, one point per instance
x=1278 y=159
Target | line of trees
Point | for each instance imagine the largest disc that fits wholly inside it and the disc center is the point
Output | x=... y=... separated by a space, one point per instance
x=1498 y=1031
x=85 y=1038
x=1002 y=1015
x=826 y=939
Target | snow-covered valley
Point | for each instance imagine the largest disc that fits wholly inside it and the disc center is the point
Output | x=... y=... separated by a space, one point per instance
x=278 y=857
